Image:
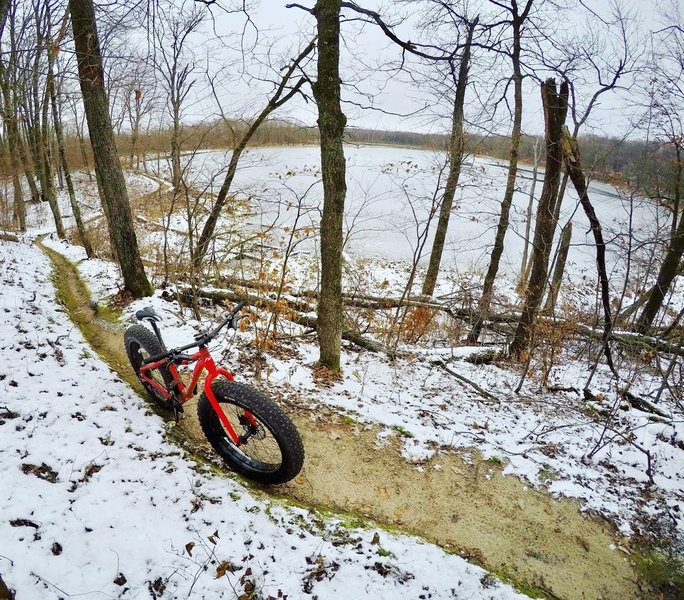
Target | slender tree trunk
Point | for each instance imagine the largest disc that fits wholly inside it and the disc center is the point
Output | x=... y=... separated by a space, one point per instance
x=82 y=144
x=108 y=170
x=59 y=133
x=556 y=280
x=573 y=165
x=135 y=130
x=677 y=190
x=176 y=171
x=11 y=97
x=456 y=151
x=555 y=109
x=33 y=123
x=504 y=216
x=528 y=219
x=331 y=124
x=49 y=192
x=666 y=275
x=13 y=142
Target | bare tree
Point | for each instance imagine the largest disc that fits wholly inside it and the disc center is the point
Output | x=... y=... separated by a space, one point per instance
x=52 y=89
x=9 y=114
x=331 y=124
x=456 y=151
x=111 y=182
x=555 y=109
x=172 y=32
x=666 y=83
x=516 y=18
x=282 y=94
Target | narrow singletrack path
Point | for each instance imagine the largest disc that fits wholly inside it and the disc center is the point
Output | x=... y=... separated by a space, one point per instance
x=466 y=506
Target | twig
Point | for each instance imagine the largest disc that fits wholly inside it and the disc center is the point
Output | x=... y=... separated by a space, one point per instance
x=482 y=392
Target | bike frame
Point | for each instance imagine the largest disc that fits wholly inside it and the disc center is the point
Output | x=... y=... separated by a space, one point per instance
x=205 y=362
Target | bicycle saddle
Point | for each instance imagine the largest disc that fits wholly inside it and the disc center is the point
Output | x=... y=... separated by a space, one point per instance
x=147 y=313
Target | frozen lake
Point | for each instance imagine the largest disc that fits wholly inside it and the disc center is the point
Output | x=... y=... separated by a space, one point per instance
x=392 y=190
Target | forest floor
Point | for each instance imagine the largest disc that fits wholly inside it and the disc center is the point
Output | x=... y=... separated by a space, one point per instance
x=461 y=502
x=362 y=471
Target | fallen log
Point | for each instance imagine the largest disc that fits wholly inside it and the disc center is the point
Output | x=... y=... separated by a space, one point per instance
x=628 y=339
x=8 y=237
x=289 y=315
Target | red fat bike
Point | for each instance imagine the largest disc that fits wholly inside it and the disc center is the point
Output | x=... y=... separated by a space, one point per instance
x=247 y=429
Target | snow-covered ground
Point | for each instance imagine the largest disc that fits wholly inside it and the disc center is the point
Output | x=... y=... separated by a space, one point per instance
x=556 y=439
x=96 y=503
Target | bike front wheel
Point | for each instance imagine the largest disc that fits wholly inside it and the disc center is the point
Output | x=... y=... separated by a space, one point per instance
x=270 y=449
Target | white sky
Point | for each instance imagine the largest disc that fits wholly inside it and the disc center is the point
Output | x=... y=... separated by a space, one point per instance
x=282 y=31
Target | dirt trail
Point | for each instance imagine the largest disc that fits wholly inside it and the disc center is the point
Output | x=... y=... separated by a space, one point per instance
x=466 y=506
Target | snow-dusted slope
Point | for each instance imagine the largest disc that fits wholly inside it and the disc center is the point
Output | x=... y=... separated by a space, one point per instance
x=94 y=503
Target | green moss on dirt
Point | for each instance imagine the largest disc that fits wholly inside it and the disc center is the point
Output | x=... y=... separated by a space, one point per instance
x=524 y=536
x=662 y=572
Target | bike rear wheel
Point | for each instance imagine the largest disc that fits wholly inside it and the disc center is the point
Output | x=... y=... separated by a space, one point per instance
x=141 y=343
x=270 y=448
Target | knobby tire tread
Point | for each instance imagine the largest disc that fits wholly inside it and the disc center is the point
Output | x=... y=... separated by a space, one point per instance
x=269 y=414
x=148 y=342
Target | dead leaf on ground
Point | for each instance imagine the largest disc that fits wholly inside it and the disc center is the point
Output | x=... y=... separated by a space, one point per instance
x=43 y=471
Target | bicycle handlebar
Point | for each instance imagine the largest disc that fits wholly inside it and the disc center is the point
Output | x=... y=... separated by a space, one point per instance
x=201 y=339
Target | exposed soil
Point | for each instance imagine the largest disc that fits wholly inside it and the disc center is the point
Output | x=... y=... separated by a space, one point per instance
x=458 y=501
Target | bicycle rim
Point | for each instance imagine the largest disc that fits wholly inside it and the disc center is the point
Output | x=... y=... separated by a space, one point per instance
x=258 y=449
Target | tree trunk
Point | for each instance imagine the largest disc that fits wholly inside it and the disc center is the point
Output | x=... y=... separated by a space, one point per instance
x=573 y=166
x=108 y=170
x=555 y=109
x=48 y=182
x=504 y=217
x=28 y=169
x=556 y=280
x=59 y=133
x=456 y=151
x=13 y=141
x=176 y=172
x=666 y=275
x=528 y=219
x=331 y=124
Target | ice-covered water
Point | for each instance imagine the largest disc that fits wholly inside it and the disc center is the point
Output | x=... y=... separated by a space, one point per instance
x=391 y=195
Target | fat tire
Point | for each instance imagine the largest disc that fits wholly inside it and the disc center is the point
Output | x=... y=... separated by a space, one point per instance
x=140 y=336
x=270 y=415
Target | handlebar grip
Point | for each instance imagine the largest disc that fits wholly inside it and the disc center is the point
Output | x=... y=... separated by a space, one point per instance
x=155 y=358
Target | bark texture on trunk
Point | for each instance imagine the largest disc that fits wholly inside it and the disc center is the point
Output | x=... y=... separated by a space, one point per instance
x=573 y=166
x=331 y=123
x=109 y=174
x=456 y=151
x=517 y=21
x=555 y=110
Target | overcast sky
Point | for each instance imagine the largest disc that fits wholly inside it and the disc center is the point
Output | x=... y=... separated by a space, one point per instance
x=274 y=33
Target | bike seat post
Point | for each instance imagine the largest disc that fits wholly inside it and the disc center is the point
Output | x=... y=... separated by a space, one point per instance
x=157 y=333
